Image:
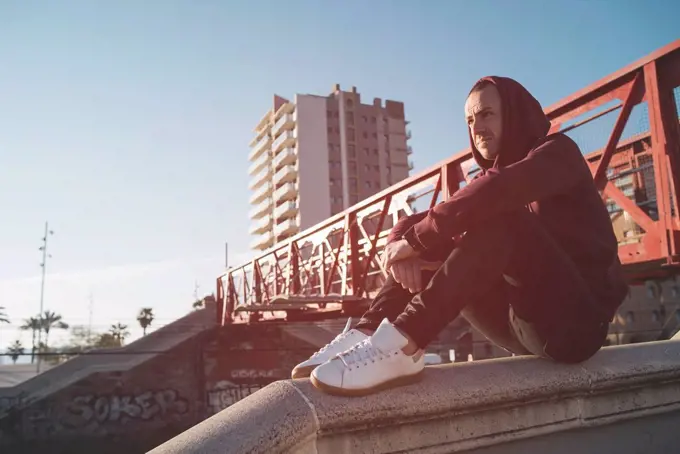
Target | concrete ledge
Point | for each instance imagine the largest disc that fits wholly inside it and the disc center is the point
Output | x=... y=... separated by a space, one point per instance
x=456 y=408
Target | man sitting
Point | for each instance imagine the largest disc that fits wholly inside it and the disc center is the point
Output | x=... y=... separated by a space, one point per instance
x=535 y=269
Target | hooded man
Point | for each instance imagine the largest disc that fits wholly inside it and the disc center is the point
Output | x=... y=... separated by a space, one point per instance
x=535 y=269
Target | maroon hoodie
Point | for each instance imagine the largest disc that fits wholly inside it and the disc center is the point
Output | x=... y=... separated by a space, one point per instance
x=546 y=173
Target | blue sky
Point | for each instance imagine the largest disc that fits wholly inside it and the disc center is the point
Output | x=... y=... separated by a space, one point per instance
x=126 y=124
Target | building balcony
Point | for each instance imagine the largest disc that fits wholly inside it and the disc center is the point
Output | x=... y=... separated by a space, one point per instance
x=287 y=108
x=285 y=211
x=261 y=210
x=261 y=178
x=284 y=157
x=285 y=123
x=286 y=192
x=262 y=242
x=261 y=226
x=260 y=131
x=285 y=174
x=261 y=194
x=259 y=163
x=287 y=227
x=260 y=147
x=286 y=139
x=264 y=123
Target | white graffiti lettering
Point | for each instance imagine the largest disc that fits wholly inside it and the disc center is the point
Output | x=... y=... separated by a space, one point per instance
x=113 y=408
x=226 y=393
x=253 y=373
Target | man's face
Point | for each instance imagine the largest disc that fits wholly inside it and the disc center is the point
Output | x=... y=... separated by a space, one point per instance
x=483 y=116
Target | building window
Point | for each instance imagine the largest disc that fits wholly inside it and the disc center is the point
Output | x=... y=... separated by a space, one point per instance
x=351 y=150
x=331 y=182
x=367 y=184
x=372 y=119
x=374 y=135
x=329 y=113
x=350 y=134
x=350 y=117
x=375 y=151
x=367 y=168
x=365 y=118
x=655 y=316
x=630 y=317
x=376 y=168
x=349 y=102
x=330 y=130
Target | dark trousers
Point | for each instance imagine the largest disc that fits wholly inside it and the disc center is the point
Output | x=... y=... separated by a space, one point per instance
x=548 y=310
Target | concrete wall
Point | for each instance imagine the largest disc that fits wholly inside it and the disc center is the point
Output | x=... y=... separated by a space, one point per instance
x=626 y=399
x=113 y=408
x=110 y=411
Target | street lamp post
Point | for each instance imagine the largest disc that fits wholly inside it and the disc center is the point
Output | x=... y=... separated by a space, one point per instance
x=43 y=265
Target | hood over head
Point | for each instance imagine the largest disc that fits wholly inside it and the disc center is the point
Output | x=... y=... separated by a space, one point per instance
x=524 y=122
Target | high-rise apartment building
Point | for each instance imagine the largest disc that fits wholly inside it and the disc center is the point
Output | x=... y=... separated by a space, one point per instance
x=318 y=155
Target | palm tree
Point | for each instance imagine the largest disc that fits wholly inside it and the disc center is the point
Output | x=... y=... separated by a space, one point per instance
x=34 y=325
x=145 y=318
x=119 y=331
x=51 y=320
x=3 y=315
x=15 y=350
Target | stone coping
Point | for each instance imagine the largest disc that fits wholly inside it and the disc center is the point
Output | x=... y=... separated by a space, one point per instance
x=455 y=407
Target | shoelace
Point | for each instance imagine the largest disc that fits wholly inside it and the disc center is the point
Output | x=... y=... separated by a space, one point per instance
x=362 y=353
x=331 y=343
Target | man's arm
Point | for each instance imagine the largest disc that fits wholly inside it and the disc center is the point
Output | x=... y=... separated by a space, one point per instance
x=553 y=168
x=405 y=223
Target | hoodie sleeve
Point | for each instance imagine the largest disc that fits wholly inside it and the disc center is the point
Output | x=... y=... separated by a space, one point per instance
x=548 y=170
x=403 y=224
x=407 y=222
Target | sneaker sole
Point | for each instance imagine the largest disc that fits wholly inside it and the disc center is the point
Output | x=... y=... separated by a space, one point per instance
x=303 y=372
x=394 y=383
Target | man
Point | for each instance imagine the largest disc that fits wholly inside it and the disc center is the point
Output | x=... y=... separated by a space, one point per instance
x=535 y=268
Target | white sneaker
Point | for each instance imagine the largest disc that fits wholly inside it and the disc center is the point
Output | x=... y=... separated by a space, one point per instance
x=374 y=364
x=343 y=341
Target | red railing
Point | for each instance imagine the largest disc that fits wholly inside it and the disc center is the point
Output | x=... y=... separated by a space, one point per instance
x=636 y=164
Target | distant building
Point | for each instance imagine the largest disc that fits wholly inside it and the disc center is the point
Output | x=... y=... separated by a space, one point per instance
x=318 y=155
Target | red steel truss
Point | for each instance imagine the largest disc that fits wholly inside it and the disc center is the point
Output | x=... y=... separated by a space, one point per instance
x=336 y=264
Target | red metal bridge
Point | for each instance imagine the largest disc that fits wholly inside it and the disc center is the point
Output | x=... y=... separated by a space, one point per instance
x=627 y=127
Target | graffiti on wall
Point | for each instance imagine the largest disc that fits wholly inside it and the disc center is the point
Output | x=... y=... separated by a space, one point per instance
x=226 y=393
x=253 y=373
x=112 y=408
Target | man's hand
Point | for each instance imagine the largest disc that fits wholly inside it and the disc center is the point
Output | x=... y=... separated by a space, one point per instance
x=409 y=272
x=398 y=250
